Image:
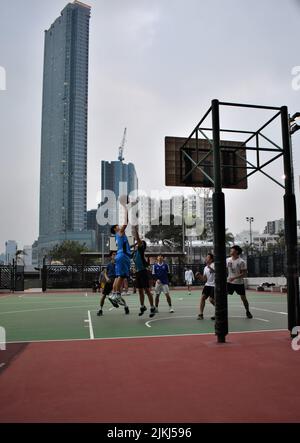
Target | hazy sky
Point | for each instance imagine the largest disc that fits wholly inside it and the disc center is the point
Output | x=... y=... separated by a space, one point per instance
x=154 y=68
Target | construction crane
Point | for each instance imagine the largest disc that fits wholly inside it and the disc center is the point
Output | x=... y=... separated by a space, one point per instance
x=121 y=148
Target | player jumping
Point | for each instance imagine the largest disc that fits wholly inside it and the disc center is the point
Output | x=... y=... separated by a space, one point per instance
x=141 y=275
x=109 y=276
x=123 y=258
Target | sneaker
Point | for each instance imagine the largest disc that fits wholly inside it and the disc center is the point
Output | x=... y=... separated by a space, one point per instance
x=113 y=302
x=127 y=310
x=117 y=298
x=171 y=311
x=100 y=313
x=156 y=310
x=249 y=315
x=152 y=312
x=121 y=301
x=142 y=310
x=200 y=317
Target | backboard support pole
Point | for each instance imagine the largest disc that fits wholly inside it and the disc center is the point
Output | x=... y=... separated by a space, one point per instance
x=290 y=217
x=221 y=298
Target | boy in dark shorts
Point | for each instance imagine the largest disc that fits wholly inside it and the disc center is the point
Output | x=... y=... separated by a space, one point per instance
x=109 y=276
x=209 y=287
x=141 y=275
x=237 y=271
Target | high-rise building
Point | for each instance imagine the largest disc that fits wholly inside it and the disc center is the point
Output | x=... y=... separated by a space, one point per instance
x=91 y=220
x=119 y=178
x=27 y=257
x=10 y=251
x=63 y=182
x=274 y=227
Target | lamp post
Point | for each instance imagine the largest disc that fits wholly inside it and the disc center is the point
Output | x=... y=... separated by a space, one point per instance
x=250 y=220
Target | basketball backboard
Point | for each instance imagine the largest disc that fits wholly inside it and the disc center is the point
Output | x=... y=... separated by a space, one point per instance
x=192 y=165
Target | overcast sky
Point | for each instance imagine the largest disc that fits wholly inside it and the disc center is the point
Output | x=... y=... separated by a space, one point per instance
x=155 y=66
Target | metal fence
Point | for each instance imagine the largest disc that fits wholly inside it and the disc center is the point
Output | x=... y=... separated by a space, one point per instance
x=177 y=273
x=83 y=276
x=273 y=265
x=12 y=277
x=69 y=277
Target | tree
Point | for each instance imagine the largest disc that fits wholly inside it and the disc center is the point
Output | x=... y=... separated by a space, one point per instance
x=229 y=238
x=281 y=240
x=18 y=255
x=68 y=252
x=170 y=235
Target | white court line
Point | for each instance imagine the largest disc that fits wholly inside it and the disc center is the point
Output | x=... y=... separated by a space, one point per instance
x=268 y=310
x=92 y=336
x=141 y=337
x=192 y=316
x=45 y=309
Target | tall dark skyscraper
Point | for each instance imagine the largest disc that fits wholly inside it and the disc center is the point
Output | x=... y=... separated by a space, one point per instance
x=116 y=172
x=63 y=182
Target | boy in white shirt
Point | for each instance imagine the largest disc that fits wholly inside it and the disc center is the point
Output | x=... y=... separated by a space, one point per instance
x=189 y=278
x=237 y=271
x=209 y=288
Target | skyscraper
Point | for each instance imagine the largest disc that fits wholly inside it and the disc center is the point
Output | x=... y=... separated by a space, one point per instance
x=10 y=251
x=120 y=178
x=63 y=182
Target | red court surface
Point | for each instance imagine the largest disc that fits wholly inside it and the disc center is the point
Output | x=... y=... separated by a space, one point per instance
x=191 y=379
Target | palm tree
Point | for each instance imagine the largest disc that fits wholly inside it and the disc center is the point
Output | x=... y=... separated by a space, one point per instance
x=229 y=238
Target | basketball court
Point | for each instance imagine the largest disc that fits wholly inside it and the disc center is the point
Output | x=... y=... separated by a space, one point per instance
x=65 y=364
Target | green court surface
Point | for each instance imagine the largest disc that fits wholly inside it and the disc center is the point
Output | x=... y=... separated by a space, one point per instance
x=73 y=316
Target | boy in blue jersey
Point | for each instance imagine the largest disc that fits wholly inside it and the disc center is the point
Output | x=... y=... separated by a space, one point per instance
x=123 y=258
x=141 y=275
x=109 y=276
x=160 y=272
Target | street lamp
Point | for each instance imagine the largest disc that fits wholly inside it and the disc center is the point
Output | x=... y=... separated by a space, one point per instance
x=250 y=220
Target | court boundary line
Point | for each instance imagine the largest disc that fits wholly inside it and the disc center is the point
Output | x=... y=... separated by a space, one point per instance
x=268 y=310
x=192 y=316
x=141 y=337
x=92 y=336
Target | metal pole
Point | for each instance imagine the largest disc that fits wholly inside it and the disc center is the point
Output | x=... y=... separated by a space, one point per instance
x=290 y=218
x=13 y=286
x=250 y=231
x=102 y=260
x=44 y=276
x=221 y=325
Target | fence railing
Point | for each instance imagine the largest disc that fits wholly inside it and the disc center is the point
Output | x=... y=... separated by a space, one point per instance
x=69 y=276
x=11 y=277
x=84 y=276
